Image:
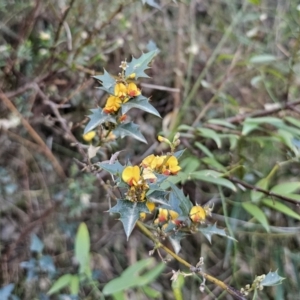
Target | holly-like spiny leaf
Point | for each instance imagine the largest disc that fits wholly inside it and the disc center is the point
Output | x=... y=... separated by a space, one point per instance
x=96 y=118
x=129 y=213
x=184 y=203
x=157 y=196
x=142 y=103
x=129 y=129
x=178 y=154
x=108 y=82
x=175 y=239
x=271 y=279
x=139 y=65
x=115 y=168
x=213 y=229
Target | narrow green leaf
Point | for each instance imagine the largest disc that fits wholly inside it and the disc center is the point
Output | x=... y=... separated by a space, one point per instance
x=257 y=213
x=108 y=82
x=271 y=279
x=263 y=184
x=204 y=149
x=149 y=276
x=281 y=208
x=251 y=124
x=96 y=118
x=262 y=59
x=211 y=134
x=292 y=121
x=139 y=65
x=142 y=103
x=138 y=267
x=129 y=129
x=222 y=123
x=286 y=188
x=74 y=285
x=213 y=163
x=129 y=213
x=212 y=177
x=151 y=293
x=60 y=283
x=82 y=247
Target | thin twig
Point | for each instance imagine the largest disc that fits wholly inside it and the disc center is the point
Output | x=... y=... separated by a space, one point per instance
x=34 y=135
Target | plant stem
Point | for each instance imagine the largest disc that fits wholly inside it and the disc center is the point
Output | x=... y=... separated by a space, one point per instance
x=232 y=291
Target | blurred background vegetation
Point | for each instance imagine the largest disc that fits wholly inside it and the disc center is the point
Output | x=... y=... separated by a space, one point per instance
x=226 y=77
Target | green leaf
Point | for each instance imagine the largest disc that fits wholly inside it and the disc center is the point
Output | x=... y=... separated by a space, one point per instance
x=60 y=283
x=130 y=277
x=209 y=133
x=157 y=196
x=213 y=163
x=129 y=213
x=293 y=121
x=263 y=184
x=287 y=139
x=136 y=268
x=139 y=65
x=184 y=203
x=175 y=238
x=210 y=230
x=149 y=276
x=96 y=118
x=108 y=82
x=222 y=123
x=204 y=149
x=286 y=188
x=262 y=59
x=74 y=285
x=82 y=247
x=281 y=208
x=271 y=279
x=115 y=168
x=152 y=293
x=213 y=177
x=190 y=164
x=257 y=213
x=179 y=153
x=142 y=103
x=251 y=124
x=129 y=129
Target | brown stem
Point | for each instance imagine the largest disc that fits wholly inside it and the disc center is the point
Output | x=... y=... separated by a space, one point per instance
x=232 y=291
x=258 y=189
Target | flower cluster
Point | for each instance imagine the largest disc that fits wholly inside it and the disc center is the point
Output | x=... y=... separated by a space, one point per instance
x=123 y=92
x=165 y=164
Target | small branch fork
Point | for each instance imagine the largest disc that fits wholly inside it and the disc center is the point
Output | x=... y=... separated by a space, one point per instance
x=232 y=291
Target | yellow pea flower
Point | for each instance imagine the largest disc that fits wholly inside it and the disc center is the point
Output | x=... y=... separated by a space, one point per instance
x=89 y=136
x=197 y=214
x=165 y=215
x=132 y=90
x=151 y=207
x=172 y=166
x=131 y=175
x=112 y=105
x=120 y=90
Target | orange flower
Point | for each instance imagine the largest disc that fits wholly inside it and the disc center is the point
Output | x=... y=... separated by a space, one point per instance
x=131 y=175
x=132 y=90
x=112 y=105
